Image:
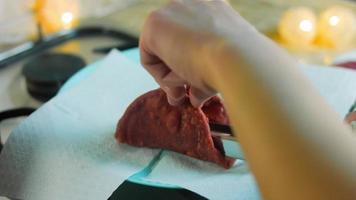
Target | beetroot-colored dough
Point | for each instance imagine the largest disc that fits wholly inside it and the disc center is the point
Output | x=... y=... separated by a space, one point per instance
x=349 y=64
x=151 y=122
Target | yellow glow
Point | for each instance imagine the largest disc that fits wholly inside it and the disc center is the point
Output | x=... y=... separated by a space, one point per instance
x=306 y=25
x=297 y=26
x=57 y=15
x=327 y=60
x=336 y=27
x=67 y=17
x=334 y=20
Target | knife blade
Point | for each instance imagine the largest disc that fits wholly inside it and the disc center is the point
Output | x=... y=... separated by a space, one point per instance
x=231 y=145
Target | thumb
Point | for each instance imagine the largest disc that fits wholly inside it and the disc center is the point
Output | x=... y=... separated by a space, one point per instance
x=199 y=97
x=175 y=95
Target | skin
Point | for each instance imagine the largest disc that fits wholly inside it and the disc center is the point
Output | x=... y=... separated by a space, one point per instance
x=295 y=144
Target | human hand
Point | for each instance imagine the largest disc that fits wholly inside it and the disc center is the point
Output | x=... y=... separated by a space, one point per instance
x=177 y=43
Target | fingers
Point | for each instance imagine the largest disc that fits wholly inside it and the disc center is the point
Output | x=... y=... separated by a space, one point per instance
x=159 y=70
x=171 y=83
x=171 y=79
x=198 y=97
x=152 y=63
x=175 y=95
x=161 y=31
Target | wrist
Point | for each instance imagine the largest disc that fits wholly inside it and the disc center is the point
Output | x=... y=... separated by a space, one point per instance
x=226 y=54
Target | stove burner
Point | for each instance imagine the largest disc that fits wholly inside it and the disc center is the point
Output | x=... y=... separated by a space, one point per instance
x=46 y=73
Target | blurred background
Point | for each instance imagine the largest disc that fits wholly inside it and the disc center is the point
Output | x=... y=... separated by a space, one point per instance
x=301 y=26
x=19 y=20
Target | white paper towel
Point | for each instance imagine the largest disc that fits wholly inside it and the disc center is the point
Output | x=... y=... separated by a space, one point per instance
x=66 y=150
x=204 y=178
x=337 y=85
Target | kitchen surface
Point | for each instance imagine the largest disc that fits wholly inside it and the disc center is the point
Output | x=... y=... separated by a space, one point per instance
x=128 y=17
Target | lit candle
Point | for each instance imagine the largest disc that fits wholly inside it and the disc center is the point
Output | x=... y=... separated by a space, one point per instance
x=297 y=26
x=67 y=19
x=336 y=26
x=57 y=15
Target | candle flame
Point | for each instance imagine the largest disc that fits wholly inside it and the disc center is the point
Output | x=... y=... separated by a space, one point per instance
x=334 y=20
x=67 y=18
x=306 y=25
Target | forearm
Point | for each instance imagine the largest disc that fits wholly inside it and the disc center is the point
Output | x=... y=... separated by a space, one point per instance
x=295 y=144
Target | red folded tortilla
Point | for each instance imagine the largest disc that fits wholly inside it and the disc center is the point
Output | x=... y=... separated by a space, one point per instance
x=151 y=122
